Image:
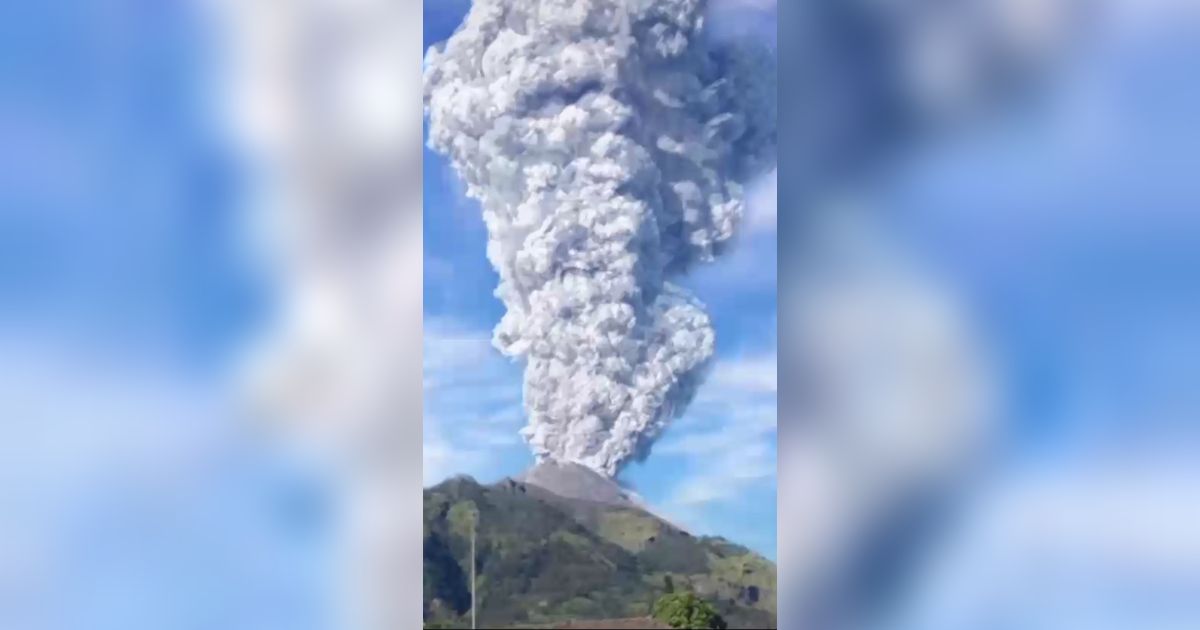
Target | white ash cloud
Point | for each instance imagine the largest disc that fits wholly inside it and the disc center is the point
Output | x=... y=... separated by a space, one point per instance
x=607 y=142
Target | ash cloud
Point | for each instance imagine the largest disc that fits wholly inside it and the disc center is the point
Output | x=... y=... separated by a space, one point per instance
x=607 y=142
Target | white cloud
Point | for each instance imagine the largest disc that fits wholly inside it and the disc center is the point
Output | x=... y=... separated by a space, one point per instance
x=695 y=444
x=897 y=397
x=739 y=452
x=452 y=351
x=725 y=474
x=436 y=456
x=488 y=436
x=748 y=419
x=762 y=204
x=470 y=450
x=472 y=402
x=1106 y=544
x=340 y=212
x=760 y=5
x=746 y=376
x=511 y=414
x=896 y=370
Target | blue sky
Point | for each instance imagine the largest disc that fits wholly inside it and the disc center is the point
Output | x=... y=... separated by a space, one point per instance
x=713 y=471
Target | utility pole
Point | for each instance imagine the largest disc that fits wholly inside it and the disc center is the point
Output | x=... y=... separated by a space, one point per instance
x=472 y=574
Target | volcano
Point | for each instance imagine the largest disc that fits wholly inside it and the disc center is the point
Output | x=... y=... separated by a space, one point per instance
x=563 y=544
x=575 y=481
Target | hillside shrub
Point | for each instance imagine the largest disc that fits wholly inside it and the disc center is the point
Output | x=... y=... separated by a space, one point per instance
x=685 y=610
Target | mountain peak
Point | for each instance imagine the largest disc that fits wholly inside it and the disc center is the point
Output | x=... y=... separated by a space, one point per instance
x=576 y=481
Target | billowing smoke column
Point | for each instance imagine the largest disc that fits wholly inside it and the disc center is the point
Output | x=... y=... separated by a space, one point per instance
x=607 y=141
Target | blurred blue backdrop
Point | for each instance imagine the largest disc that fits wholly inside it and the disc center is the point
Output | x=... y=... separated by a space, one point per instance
x=132 y=492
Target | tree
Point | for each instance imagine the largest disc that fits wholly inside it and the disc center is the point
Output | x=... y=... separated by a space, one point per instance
x=685 y=610
x=464 y=519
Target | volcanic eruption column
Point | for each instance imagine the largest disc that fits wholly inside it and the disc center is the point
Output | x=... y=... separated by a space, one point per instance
x=607 y=142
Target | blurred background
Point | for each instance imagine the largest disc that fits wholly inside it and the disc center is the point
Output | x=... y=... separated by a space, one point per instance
x=986 y=337
x=210 y=311
x=181 y=323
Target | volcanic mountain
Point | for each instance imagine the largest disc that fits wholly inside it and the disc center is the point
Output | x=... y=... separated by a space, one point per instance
x=561 y=543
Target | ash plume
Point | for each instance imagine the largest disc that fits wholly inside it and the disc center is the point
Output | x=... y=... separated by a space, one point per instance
x=607 y=142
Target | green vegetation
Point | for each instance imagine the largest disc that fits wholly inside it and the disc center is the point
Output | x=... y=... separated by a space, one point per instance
x=630 y=529
x=462 y=518
x=685 y=610
x=542 y=559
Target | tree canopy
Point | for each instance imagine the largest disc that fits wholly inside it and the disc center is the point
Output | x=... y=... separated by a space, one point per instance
x=685 y=610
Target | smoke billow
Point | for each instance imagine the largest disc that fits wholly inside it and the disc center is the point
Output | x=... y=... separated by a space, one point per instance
x=607 y=142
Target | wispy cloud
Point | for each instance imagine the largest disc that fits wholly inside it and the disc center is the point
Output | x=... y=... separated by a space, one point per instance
x=735 y=449
x=750 y=376
x=761 y=5
x=727 y=473
x=762 y=204
x=436 y=455
x=450 y=346
x=490 y=437
x=472 y=402
x=1117 y=531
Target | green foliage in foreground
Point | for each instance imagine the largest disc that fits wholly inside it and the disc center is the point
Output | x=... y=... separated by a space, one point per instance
x=685 y=610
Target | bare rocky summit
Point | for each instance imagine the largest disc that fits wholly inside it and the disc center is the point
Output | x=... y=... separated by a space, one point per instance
x=575 y=481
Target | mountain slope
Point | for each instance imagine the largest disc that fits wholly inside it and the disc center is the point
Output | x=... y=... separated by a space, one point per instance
x=543 y=558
